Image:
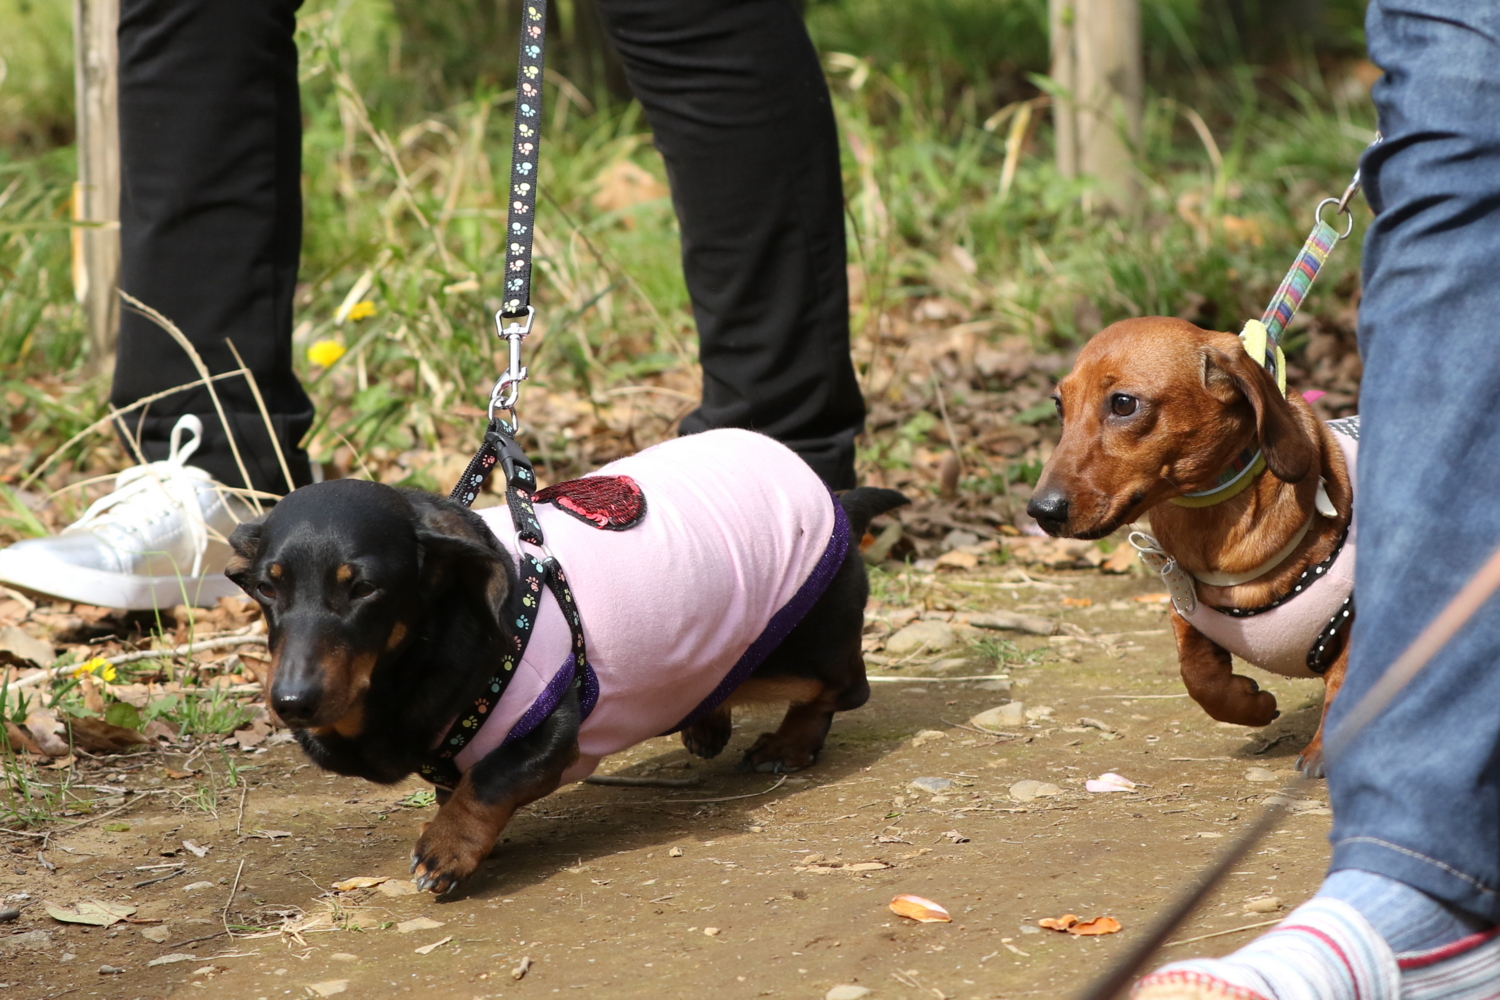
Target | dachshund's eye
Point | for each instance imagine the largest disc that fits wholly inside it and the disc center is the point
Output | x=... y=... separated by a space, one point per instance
x=1122 y=405
x=363 y=588
x=266 y=591
x=1057 y=402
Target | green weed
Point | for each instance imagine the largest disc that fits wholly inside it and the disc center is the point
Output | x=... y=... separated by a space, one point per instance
x=1001 y=653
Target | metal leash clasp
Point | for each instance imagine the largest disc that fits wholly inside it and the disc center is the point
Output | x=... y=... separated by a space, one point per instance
x=508 y=387
x=1341 y=203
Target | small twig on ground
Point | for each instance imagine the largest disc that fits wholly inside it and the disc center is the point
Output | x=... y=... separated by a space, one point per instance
x=938 y=680
x=983 y=732
x=729 y=798
x=206 y=937
x=1232 y=930
x=136 y=800
x=186 y=649
x=224 y=913
x=160 y=878
x=240 y=817
x=1283 y=737
x=627 y=782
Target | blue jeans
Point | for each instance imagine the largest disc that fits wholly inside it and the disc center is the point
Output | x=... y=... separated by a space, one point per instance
x=1417 y=796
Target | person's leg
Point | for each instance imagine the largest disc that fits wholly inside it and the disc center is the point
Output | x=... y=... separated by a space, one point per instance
x=1414 y=889
x=742 y=116
x=211 y=224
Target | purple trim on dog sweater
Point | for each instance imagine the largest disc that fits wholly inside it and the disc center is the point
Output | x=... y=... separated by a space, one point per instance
x=543 y=706
x=589 y=696
x=782 y=622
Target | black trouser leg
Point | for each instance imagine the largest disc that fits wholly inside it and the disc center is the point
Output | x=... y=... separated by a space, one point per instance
x=741 y=114
x=211 y=223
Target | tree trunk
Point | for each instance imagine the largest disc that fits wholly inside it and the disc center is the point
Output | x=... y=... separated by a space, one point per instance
x=1097 y=60
x=96 y=197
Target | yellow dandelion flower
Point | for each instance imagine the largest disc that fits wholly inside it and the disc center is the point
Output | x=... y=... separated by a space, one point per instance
x=325 y=352
x=361 y=310
x=108 y=673
x=97 y=663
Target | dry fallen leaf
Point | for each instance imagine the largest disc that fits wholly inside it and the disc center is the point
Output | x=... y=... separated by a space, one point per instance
x=919 y=909
x=1086 y=928
x=360 y=882
x=98 y=736
x=428 y=949
x=1095 y=927
x=92 y=912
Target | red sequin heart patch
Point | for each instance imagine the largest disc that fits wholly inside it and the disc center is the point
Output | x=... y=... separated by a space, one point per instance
x=613 y=503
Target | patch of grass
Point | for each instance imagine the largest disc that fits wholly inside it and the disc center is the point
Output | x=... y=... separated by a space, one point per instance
x=1001 y=653
x=201 y=711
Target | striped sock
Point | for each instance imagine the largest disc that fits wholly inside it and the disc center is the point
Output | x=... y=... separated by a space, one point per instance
x=1325 y=950
x=1466 y=969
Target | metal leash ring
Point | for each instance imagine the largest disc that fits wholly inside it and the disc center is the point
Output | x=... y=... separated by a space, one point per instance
x=1341 y=205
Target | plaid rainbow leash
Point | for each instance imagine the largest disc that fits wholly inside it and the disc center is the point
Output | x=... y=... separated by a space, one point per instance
x=1299 y=279
x=1262 y=337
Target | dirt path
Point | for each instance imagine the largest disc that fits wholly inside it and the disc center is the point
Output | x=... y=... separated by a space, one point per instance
x=645 y=892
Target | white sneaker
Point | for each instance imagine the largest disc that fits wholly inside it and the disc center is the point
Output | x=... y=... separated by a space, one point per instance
x=160 y=539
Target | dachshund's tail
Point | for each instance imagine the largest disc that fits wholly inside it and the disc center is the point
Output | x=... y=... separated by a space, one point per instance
x=864 y=503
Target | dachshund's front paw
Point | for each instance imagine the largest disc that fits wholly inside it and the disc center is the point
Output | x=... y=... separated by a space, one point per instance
x=445 y=855
x=708 y=737
x=1247 y=704
x=1310 y=760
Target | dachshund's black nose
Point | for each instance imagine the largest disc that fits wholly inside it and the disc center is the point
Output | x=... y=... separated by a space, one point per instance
x=1050 y=508
x=296 y=704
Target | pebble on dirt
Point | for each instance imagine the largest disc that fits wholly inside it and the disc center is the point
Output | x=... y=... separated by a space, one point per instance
x=110 y=970
x=29 y=941
x=1000 y=717
x=847 y=991
x=932 y=786
x=1263 y=904
x=928 y=635
x=8 y=913
x=1028 y=789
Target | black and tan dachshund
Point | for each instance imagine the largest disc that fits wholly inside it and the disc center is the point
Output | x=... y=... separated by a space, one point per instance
x=386 y=614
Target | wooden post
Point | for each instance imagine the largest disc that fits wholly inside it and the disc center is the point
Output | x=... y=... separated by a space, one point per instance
x=96 y=197
x=1096 y=56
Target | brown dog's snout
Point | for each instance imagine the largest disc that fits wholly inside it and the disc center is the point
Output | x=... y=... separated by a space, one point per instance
x=1049 y=507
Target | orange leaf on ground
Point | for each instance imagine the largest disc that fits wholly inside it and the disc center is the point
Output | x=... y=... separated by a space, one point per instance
x=919 y=909
x=1083 y=928
x=1095 y=927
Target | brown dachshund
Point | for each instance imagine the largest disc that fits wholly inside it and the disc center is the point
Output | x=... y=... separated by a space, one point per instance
x=1157 y=409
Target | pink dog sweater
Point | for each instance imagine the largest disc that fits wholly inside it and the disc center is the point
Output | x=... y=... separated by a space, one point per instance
x=1279 y=639
x=739 y=539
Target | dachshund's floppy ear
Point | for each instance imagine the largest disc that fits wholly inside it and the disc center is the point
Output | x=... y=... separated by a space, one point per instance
x=1290 y=454
x=245 y=541
x=454 y=543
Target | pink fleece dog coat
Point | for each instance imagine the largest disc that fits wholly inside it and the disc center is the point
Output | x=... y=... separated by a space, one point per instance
x=1280 y=639
x=739 y=539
